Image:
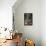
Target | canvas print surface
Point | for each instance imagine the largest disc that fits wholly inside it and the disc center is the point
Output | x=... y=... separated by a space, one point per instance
x=27 y=18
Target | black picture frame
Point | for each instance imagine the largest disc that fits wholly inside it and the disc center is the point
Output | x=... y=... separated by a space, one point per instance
x=28 y=18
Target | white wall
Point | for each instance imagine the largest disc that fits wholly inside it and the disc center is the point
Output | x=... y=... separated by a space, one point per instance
x=6 y=13
x=31 y=32
x=43 y=22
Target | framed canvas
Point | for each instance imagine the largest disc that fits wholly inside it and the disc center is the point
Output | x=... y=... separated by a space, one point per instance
x=28 y=18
